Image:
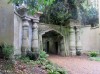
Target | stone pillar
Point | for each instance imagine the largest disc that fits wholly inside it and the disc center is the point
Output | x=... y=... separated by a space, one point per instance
x=35 y=38
x=72 y=41
x=78 y=40
x=35 y=44
x=25 y=36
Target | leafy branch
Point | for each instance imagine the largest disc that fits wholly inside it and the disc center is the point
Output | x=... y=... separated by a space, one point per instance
x=33 y=5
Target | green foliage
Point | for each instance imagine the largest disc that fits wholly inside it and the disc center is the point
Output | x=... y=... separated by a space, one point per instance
x=32 y=55
x=90 y=16
x=50 y=67
x=33 y=5
x=72 y=5
x=78 y=53
x=95 y=58
x=93 y=54
x=7 y=50
x=57 y=13
x=53 y=72
x=60 y=11
x=42 y=55
x=24 y=59
x=54 y=69
x=44 y=63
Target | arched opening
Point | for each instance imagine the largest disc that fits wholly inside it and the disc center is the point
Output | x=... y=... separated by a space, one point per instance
x=52 y=42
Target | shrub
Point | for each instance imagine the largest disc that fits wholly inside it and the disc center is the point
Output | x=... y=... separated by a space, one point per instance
x=53 y=72
x=35 y=55
x=24 y=59
x=78 y=53
x=7 y=50
x=93 y=54
x=43 y=55
x=32 y=55
x=54 y=69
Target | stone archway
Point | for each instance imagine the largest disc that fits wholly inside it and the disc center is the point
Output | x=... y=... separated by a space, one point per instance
x=52 y=42
x=61 y=32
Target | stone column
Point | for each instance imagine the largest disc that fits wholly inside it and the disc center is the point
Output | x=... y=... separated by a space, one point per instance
x=25 y=36
x=35 y=44
x=72 y=41
x=35 y=38
x=78 y=40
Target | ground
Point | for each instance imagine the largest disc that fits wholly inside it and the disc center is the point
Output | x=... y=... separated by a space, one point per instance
x=77 y=64
x=6 y=67
x=73 y=64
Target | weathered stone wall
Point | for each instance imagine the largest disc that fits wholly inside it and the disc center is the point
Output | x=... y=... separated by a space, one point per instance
x=17 y=34
x=6 y=22
x=11 y=27
x=90 y=39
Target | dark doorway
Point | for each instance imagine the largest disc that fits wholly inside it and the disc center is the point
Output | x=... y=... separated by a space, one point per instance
x=56 y=47
x=47 y=47
x=51 y=42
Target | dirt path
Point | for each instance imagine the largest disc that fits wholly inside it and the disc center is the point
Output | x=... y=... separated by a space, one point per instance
x=77 y=65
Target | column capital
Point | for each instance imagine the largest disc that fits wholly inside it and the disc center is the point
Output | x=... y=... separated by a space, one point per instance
x=21 y=9
x=36 y=17
x=25 y=21
x=72 y=29
x=26 y=18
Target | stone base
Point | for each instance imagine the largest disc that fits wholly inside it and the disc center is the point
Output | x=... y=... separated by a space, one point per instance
x=73 y=53
x=23 y=51
x=78 y=52
x=63 y=54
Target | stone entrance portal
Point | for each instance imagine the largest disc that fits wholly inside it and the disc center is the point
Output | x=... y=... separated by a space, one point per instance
x=52 y=42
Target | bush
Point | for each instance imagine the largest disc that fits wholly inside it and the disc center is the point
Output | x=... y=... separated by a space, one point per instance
x=43 y=55
x=7 y=50
x=43 y=62
x=35 y=55
x=54 y=69
x=32 y=55
x=93 y=54
x=24 y=59
x=78 y=53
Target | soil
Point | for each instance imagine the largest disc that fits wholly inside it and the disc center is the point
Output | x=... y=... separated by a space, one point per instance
x=19 y=68
x=77 y=64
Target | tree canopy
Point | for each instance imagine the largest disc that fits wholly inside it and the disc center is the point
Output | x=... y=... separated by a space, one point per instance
x=60 y=11
x=33 y=5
